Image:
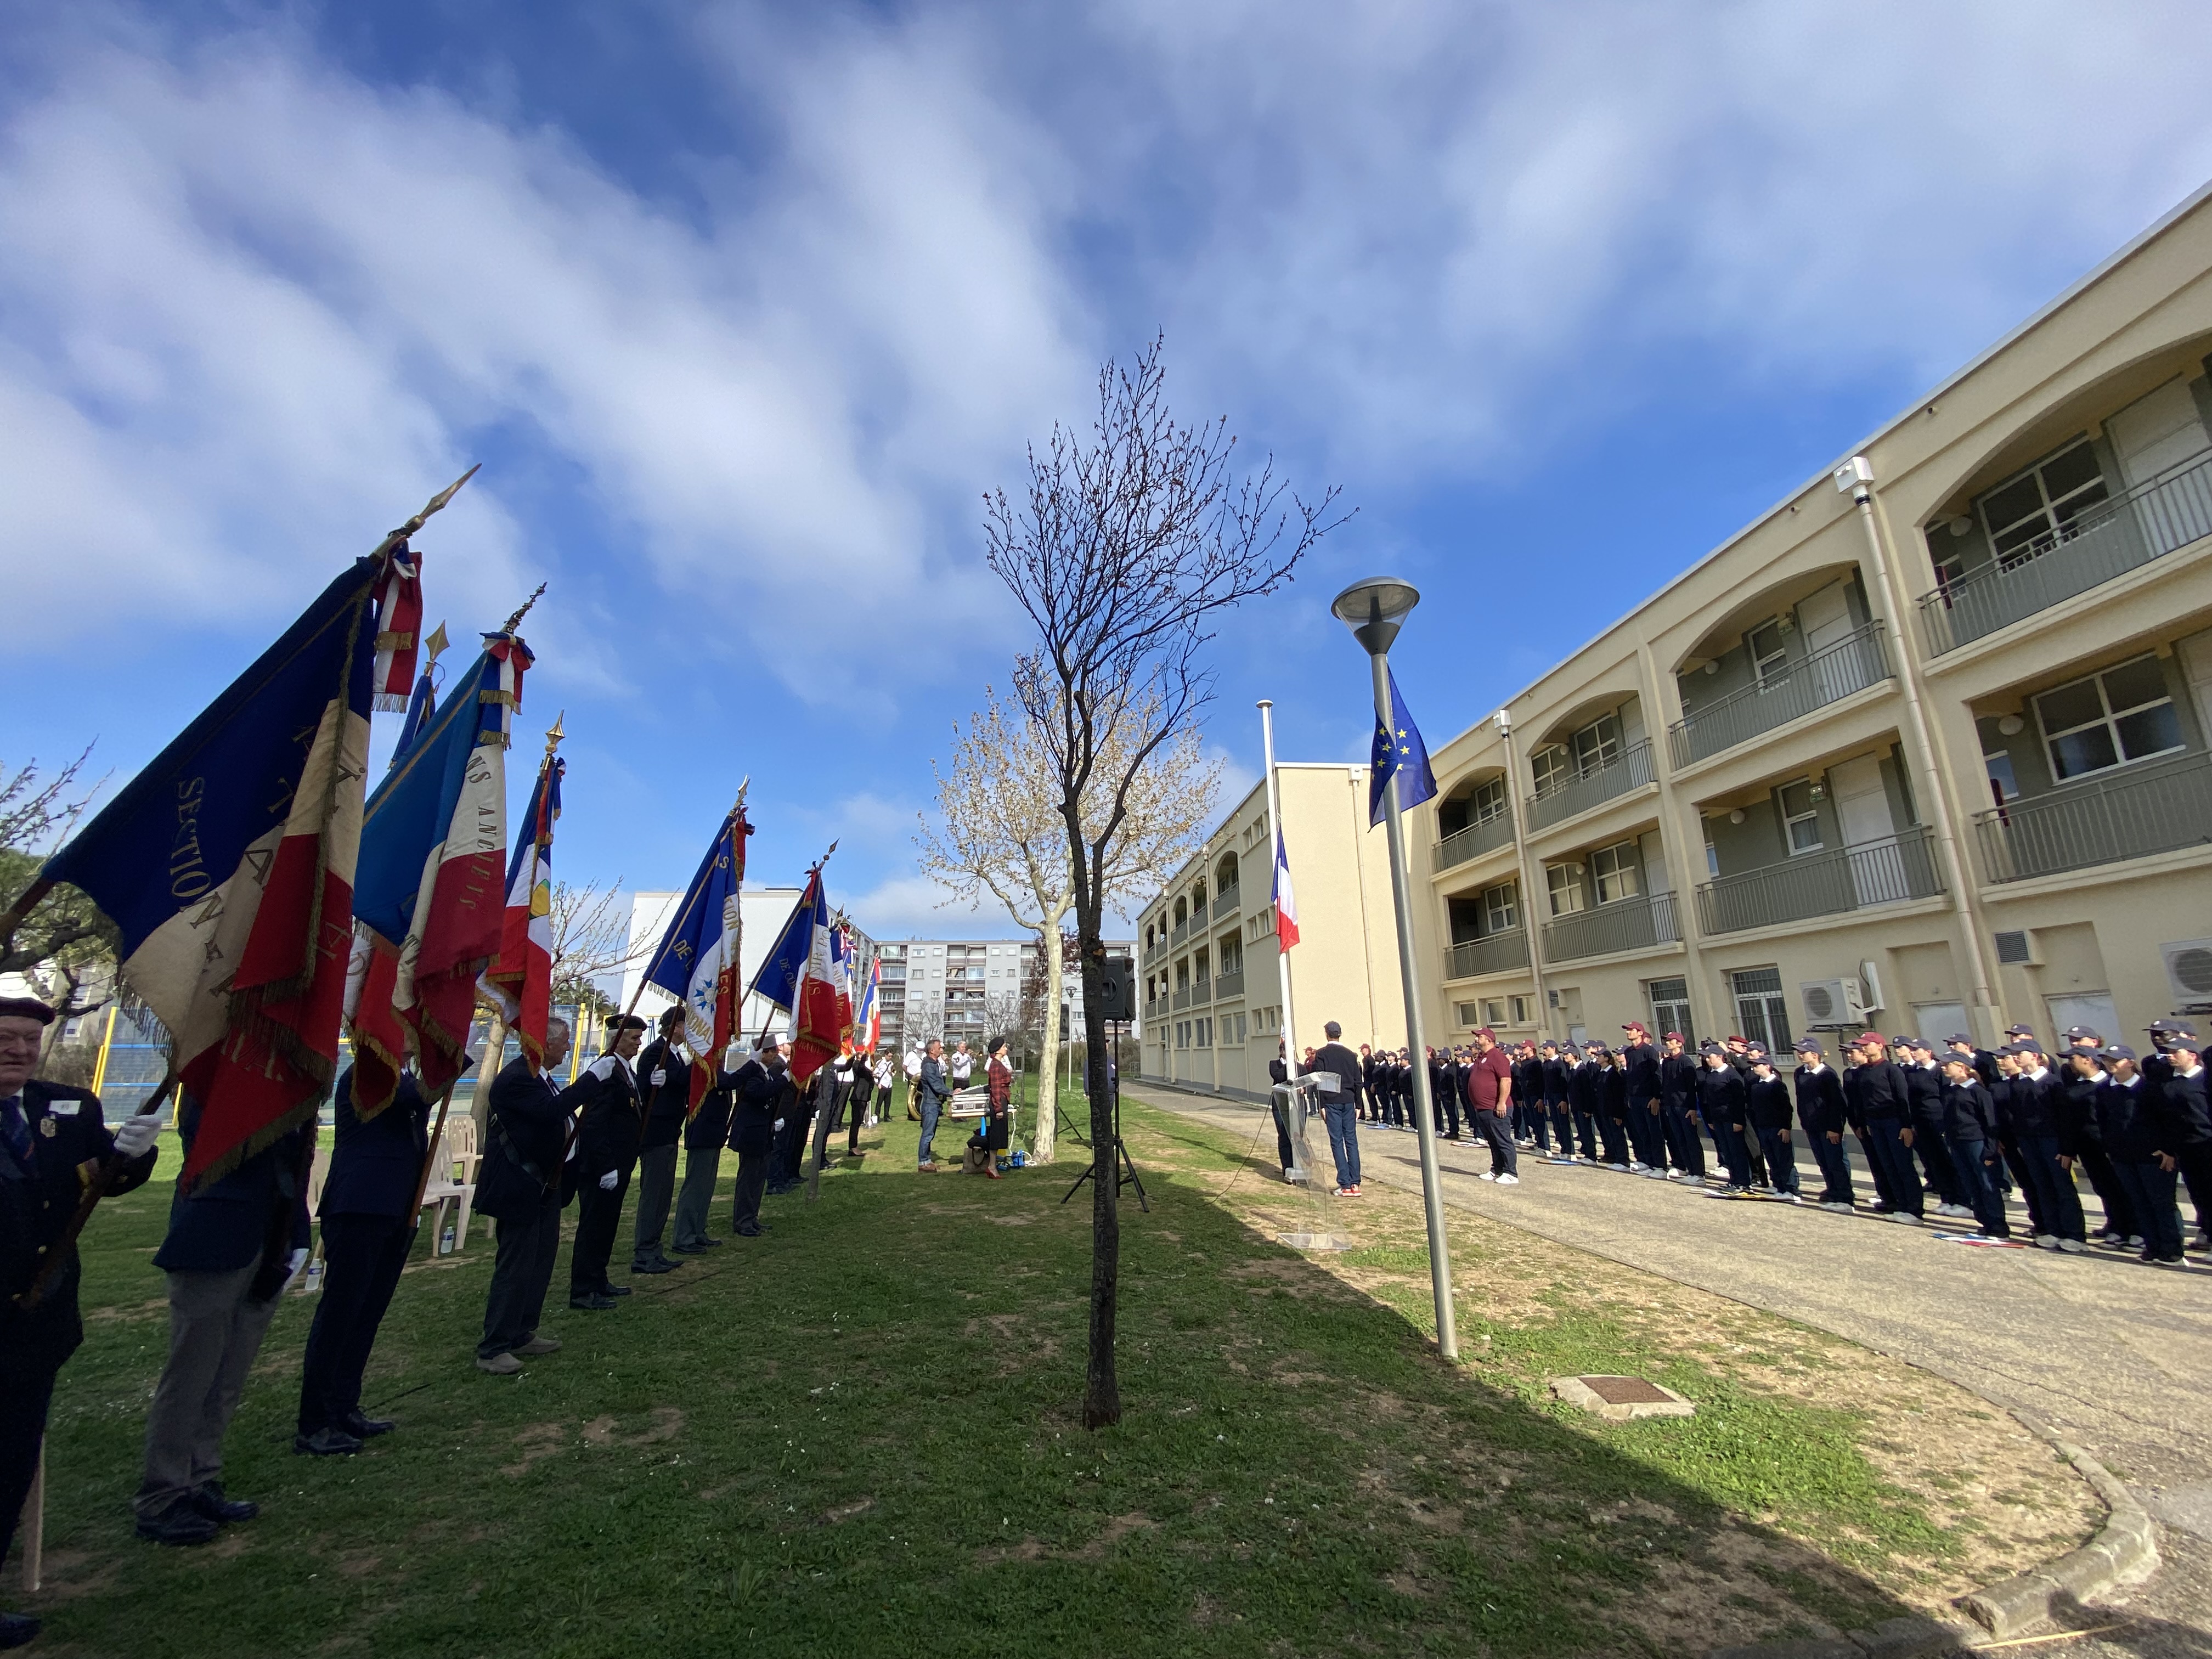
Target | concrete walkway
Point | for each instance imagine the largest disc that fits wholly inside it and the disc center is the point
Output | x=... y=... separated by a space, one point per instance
x=2112 y=1353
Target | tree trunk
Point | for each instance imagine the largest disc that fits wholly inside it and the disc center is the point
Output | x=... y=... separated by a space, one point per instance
x=1055 y=985
x=1102 y=1389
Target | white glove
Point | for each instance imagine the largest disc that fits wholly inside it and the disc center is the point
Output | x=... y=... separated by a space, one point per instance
x=135 y=1134
x=608 y=1181
x=293 y=1263
x=660 y=1077
x=779 y=1126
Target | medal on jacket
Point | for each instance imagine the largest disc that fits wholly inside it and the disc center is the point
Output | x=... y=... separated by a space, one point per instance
x=47 y=1128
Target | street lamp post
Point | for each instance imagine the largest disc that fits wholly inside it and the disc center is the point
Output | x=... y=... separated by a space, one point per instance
x=1374 y=610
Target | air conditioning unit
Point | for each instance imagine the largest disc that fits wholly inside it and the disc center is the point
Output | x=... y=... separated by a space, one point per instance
x=2189 y=970
x=1832 y=1003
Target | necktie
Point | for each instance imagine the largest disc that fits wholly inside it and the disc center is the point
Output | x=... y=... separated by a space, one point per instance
x=15 y=1130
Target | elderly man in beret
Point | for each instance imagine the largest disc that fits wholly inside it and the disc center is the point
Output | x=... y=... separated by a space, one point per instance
x=53 y=1140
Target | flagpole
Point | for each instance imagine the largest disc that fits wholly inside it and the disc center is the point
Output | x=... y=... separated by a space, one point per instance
x=812 y=870
x=95 y=1189
x=1275 y=841
x=489 y=1063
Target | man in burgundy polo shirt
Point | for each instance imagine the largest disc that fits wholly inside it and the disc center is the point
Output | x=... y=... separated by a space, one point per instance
x=1489 y=1096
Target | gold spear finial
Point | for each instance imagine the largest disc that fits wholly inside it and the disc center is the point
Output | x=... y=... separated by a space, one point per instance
x=555 y=734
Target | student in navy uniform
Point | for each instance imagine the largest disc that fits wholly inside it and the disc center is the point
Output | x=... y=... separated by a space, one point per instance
x=368 y=1217
x=232 y=1248
x=1876 y=1090
x=1821 y=1115
x=704 y=1134
x=2032 y=1117
x=609 y=1124
x=2139 y=1137
x=1970 y=1134
x=1613 y=1109
x=1550 y=1088
x=1720 y=1104
x=1678 y=1096
x=49 y=1132
x=524 y=1181
x=1766 y=1106
x=1639 y=1059
x=664 y=1082
x=2078 y=1075
x=1923 y=1086
x=1443 y=1092
x=2182 y=1082
x=760 y=1094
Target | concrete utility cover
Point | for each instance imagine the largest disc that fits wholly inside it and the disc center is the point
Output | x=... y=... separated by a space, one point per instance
x=1314 y=1241
x=1618 y=1399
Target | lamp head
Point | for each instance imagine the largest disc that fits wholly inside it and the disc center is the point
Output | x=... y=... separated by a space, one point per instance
x=1374 y=610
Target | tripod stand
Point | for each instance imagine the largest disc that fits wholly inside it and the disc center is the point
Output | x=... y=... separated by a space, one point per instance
x=1125 y=1166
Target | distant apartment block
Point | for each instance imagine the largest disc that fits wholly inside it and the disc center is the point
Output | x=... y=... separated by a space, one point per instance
x=970 y=989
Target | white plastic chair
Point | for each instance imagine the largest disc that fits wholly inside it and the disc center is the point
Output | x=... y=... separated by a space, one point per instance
x=452 y=1182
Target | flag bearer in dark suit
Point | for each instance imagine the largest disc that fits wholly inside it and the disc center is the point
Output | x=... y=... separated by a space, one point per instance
x=664 y=1076
x=233 y=1246
x=522 y=1183
x=50 y=1134
x=368 y=1219
x=2139 y=1139
x=704 y=1135
x=610 y=1122
x=1821 y=1115
x=760 y=1094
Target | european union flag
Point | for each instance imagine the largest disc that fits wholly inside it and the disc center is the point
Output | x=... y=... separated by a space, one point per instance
x=1398 y=753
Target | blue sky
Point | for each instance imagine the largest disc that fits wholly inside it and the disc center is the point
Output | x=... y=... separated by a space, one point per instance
x=743 y=308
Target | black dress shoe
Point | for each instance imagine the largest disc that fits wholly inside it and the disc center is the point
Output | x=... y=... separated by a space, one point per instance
x=614 y=1290
x=16 y=1628
x=325 y=1443
x=593 y=1303
x=367 y=1428
x=749 y=1233
x=652 y=1266
x=179 y=1524
x=710 y=1244
x=690 y=1250
x=210 y=1501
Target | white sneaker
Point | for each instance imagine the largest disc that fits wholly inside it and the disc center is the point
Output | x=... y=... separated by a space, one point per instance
x=1838 y=1207
x=2072 y=1246
x=1789 y=1198
x=1693 y=1181
x=1952 y=1209
x=1618 y=1168
x=1485 y=1176
x=2135 y=1241
x=1907 y=1217
x=2047 y=1241
x=1508 y=1181
x=1637 y=1166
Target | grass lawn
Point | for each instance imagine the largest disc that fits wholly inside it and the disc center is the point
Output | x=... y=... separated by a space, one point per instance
x=859 y=1435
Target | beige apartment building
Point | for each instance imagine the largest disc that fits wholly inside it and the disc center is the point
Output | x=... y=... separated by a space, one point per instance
x=1925 y=748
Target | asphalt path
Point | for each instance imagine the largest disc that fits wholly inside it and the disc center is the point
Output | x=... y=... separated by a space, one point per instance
x=2110 y=1353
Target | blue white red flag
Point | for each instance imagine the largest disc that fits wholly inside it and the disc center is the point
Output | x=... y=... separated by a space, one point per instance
x=799 y=975
x=434 y=849
x=426 y=695
x=399 y=628
x=697 y=961
x=521 y=976
x=868 y=1025
x=1286 y=905
x=228 y=867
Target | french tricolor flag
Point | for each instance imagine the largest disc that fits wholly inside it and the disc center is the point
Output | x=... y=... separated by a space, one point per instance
x=228 y=867
x=520 y=977
x=697 y=961
x=1286 y=906
x=801 y=975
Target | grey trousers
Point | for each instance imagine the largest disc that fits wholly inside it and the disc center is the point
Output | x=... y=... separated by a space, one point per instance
x=697 y=1197
x=521 y=1270
x=656 y=1189
x=214 y=1330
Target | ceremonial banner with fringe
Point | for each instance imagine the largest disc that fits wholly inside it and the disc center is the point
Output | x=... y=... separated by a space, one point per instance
x=228 y=866
x=399 y=628
x=697 y=961
x=521 y=976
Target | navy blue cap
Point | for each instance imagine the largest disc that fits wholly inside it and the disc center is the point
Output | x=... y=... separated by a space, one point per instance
x=2117 y=1051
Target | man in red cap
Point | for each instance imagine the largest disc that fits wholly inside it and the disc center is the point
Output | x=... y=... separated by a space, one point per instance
x=48 y=1131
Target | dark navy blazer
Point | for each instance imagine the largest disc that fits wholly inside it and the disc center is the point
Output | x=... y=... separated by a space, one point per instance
x=232 y=1223
x=374 y=1165
x=68 y=1142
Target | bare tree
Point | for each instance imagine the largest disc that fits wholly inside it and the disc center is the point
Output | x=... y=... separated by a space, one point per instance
x=1000 y=832
x=1129 y=543
x=61 y=934
x=591 y=939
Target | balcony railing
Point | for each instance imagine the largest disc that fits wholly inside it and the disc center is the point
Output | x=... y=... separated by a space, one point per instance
x=1829 y=675
x=1493 y=953
x=1224 y=902
x=1152 y=1008
x=2153 y=806
x=1460 y=846
x=1631 y=924
x=1631 y=769
x=1181 y=998
x=1201 y=992
x=1229 y=983
x=1889 y=871
x=2112 y=539
x=1180 y=932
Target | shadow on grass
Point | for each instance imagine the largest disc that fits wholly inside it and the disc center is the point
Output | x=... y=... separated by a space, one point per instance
x=858 y=1435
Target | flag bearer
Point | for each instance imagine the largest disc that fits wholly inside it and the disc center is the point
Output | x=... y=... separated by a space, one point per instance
x=664 y=1078
x=606 y=1152
x=523 y=1183
x=48 y=1133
